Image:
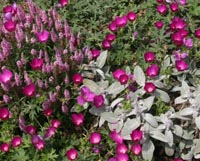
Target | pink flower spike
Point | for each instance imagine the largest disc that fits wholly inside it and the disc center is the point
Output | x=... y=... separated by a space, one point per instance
x=42 y=36
x=197 y=33
x=77 y=78
x=77 y=119
x=72 y=154
x=121 y=21
x=95 y=138
x=112 y=26
x=29 y=90
x=36 y=64
x=55 y=123
x=149 y=56
x=123 y=79
x=5 y=76
x=162 y=9
x=4 y=147
x=110 y=37
x=149 y=87
x=136 y=135
x=4 y=113
x=136 y=149
x=122 y=157
x=30 y=129
x=159 y=24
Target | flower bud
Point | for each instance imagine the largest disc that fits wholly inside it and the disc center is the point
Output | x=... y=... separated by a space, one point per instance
x=149 y=87
x=136 y=149
x=72 y=154
x=95 y=138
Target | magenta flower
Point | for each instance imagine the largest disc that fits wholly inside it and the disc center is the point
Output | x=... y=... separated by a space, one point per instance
x=117 y=73
x=183 y=32
x=77 y=78
x=123 y=79
x=131 y=16
x=197 y=33
x=122 y=157
x=149 y=56
x=174 y=7
x=188 y=43
x=116 y=137
x=72 y=154
x=182 y=2
x=177 y=24
x=4 y=147
x=95 y=53
x=159 y=24
x=38 y=142
x=178 y=159
x=152 y=70
x=98 y=101
x=10 y=25
x=110 y=37
x=16 y=141
x=95 y=138
x=159 y=1
x=7 y=9
x=63 y=2
x=48 y=111
x=149 y=87
x=162 y=9
x=177 y=39
x=106 y=44
x=181 y=65
x=4 y=113
x=136 y=135
x=121 y=21
x=112 y=159
x=112 y=26
x=136 y=149
x=121 y=148
x=179 y=56
x=5 y=76
x=55 y=123
x=30 y=129
x=50 y=132
x=42 y=36
x=36 y=64
x=77 y=119
x=29 y=90
x=86 y=96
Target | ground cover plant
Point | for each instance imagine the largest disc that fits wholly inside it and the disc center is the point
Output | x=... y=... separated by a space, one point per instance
x=94 y=80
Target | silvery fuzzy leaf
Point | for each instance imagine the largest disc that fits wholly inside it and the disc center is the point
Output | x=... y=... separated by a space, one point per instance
x=185 y=89
x=197 y=147
x=166 y=62
x=181 y=145
x=158 y=84
x=150 y=119
x=178 y=130
x=161 y=127
x=119 y=112
x=179 y=100
x=140 y=92
x=197 y=156
x=129 y=126
x=197 y=121
x=116 y=126
x=148 y=150
x=170 y=137
x=91 y=85
x=187 y=156
x=101 y=60
x=101 y=73
x=116 y=101
x=186 y=111
x=97 y=111
x=178 y=116
x=162 y=94
x=169 y=150
x=139 y=76
x=128 y=70
x=101 y=121
x=148 y=102
x=158 y=136
x=115 y=88
x=110 y=117
x=187 y=135
x=175 y=89
x=103 y=84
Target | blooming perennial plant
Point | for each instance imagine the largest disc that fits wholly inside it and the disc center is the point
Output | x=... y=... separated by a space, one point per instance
x=54 y=91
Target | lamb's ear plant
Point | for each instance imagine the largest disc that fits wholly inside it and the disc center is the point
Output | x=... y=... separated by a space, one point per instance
x=128 y=91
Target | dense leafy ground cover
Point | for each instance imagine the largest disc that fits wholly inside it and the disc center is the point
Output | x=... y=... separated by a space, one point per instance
x=100 y=80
